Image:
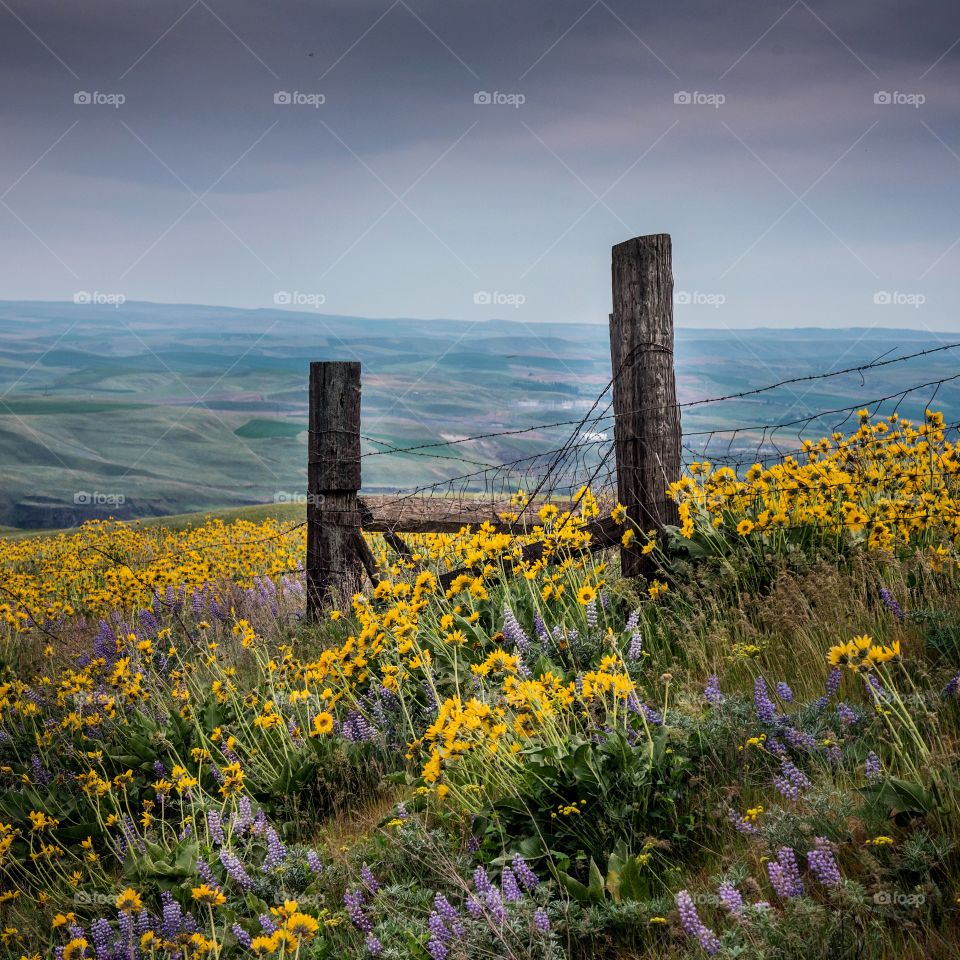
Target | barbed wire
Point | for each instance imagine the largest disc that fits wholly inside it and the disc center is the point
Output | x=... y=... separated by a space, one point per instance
x=790 y=381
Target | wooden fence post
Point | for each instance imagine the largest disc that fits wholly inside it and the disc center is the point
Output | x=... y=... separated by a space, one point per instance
x=647 y=425
x=334 y=556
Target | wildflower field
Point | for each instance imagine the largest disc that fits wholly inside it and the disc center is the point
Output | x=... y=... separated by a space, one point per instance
x=753 y=753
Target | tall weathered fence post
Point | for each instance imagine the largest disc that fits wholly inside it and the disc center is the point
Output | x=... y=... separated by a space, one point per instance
x=333 y=480
x=647 y=426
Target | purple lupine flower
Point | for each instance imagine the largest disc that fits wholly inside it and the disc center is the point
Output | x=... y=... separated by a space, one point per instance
x=742 y=824
x=511 y=889
x=528 y=879
x=437 y=950
x=694 y=926
x=481 y=881
x=438 y=929
x=541 y=921
x=888 y=601
x=874 y=687
x=592 y=615
x=711 y=692
x=952 y=689
x=513 y=631
x=800 y=739
x=38 y=772
x=785 y=875
x=314 y=862
x=243 y=938
x=374 y=946
x=235 y=869
x=276 y=851
x=540 y=628
x=792 y=782
x=266 y=924
x=444 y=908
x=353 y=901
x=847 y=715
x=206 y=874
x=149 y=624
x=494 y=903
x=243 y=818
x=198 y=602
x=369 y=880
x=730 y=899
x=872 y=767
x=784 y=692
x=766 y=711
x=101 y=932
x=126 y=925
x=636 y=705
x=474 y=907
x=215 y=826
x=823 y=863
x=358 y=729
x=775 y=747
x=172 y=916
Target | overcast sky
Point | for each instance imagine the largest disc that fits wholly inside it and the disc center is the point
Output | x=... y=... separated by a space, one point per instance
x=804 y=156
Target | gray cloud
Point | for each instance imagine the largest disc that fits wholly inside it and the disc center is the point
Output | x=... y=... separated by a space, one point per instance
x=519 y=200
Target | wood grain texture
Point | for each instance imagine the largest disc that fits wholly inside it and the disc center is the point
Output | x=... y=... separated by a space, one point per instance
x=647 y=429
x=335 y=561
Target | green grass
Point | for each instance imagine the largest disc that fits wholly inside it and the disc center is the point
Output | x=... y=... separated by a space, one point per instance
x=257 y=429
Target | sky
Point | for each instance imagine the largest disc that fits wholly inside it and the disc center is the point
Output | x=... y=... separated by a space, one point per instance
x=438 y=159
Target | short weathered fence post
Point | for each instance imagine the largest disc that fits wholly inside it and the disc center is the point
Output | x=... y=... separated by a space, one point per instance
x=333 y=481
x=647 y=425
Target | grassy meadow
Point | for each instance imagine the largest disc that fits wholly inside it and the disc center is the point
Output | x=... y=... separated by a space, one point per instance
x=751 y=753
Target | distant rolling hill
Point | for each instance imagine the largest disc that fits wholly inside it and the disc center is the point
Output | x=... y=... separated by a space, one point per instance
x=152 y=409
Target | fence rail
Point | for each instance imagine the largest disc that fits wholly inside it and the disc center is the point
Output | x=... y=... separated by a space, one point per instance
x=634 y=466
